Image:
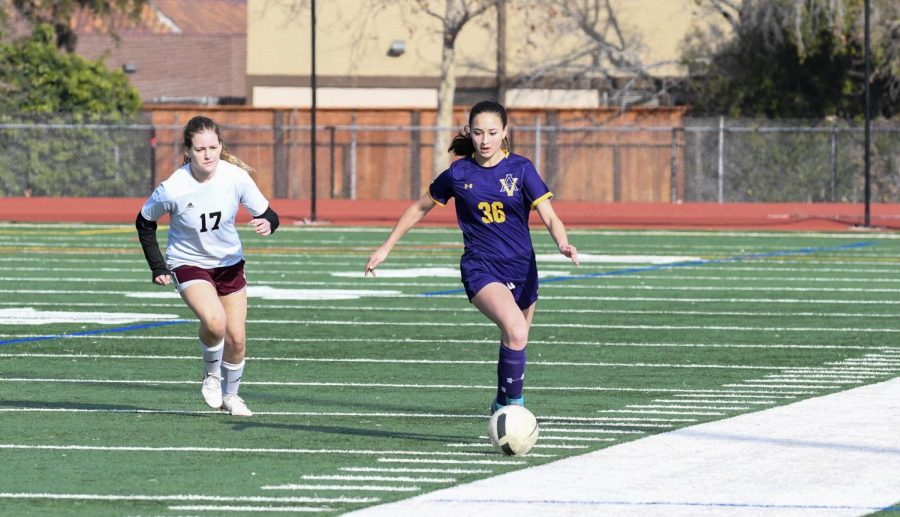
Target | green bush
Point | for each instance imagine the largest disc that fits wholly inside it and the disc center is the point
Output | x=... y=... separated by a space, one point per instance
x=68 y=126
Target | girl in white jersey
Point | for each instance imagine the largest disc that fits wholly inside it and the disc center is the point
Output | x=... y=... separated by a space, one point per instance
x=204 y=254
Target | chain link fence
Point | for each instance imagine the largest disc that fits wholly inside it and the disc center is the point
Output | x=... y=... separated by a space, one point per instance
x=705 y=160
x=68 y=157
x=789 y=161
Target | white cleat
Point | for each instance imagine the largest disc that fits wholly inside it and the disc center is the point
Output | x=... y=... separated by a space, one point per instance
x=211 y=389
x=235 y=405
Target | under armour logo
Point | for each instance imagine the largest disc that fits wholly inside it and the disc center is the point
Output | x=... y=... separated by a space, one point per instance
x=510 y=286
x=468 y=186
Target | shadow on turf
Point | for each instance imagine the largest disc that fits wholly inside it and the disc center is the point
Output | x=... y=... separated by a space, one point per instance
x=112 y=408
x=352 y=431
x=260 y=397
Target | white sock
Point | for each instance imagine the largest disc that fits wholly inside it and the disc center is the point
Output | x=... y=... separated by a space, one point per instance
x=231 y=378
x=212 y=357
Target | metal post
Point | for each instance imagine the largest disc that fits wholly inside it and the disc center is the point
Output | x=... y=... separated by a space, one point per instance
x=312 y=119
x=868 y=144
x=537 y=143
x=834 y=165
x=153 y=142
x=673 y=167
x=415 y=155
x=331 y=148
x=721 y=186
x=175 y=143
x=353 y=156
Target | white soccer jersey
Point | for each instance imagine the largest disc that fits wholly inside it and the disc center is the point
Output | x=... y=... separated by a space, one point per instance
x=202 y=231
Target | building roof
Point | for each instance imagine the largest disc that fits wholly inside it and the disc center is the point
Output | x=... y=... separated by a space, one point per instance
x=172 y=17
x=179 y=51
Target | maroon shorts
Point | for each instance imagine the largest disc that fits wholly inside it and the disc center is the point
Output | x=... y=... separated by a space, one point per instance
x=226 y=279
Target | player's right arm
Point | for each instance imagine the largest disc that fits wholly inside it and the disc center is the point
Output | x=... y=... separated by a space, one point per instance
x=154 y=208
x=147 y=235
x=412 y=215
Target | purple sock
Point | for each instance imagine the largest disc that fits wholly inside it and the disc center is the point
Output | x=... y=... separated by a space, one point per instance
x=510 y=373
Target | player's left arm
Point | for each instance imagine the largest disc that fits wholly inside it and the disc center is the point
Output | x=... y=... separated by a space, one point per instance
x=266 y=223
x=557 y=229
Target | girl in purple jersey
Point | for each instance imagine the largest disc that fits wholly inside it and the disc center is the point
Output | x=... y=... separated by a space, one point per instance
x=495 y=191
x=204 y=252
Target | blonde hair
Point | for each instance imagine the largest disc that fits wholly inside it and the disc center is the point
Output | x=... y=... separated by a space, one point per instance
x=200 y=124
x=234 y=160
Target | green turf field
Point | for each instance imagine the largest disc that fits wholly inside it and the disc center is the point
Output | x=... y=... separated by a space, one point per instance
x=371 y=390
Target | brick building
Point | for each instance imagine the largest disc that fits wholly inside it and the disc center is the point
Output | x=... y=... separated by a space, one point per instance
x=186 y=52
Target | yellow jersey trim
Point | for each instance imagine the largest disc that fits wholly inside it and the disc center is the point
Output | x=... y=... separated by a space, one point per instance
x=435 y=200
x=541 y=199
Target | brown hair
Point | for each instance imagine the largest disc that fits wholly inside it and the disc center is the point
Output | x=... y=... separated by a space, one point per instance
x=462 y=143
x=200 y=124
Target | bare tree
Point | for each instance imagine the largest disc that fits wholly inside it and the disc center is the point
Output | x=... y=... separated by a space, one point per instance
x=58 y=14
x=601 y=52
x=454 y=16
x=457 y=13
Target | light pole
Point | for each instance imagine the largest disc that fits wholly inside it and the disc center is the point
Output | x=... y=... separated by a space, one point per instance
x=312 y=118
x=868 y=117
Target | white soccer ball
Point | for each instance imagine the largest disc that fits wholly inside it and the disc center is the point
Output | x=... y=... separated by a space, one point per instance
x=513 y=430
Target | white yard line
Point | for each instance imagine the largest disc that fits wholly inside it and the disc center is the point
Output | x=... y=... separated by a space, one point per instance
x=492 y=342
x=836 y=455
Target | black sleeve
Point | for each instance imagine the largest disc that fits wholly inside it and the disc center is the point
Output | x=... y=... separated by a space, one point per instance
x=271 y=216
x=147 y=235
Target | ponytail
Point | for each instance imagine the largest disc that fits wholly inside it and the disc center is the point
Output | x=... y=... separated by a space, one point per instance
x=234 y=160
x=462 y=144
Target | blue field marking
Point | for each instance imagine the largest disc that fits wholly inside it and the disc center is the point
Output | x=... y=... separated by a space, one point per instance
x=686 y=263
x=92 y=332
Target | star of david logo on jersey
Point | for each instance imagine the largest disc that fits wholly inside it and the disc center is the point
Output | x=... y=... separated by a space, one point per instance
x=508 y=185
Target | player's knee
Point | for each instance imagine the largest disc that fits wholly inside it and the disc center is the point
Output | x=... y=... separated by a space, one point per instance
x=517 y=337
x=214 y=326
x=236 y=342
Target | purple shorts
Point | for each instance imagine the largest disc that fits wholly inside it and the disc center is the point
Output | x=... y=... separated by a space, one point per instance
x=226 y=279
x=524 y=290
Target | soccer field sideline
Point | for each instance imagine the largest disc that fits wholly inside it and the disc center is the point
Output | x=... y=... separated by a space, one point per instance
x=666 y=328
x=835 y=455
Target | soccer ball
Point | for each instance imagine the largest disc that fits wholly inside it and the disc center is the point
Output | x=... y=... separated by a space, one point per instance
x=513 y=430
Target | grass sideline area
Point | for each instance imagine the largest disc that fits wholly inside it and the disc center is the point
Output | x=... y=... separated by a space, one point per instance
x=372 y=390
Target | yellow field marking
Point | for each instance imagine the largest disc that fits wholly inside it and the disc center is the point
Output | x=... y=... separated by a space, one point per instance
x=57 y=233
x=67 y=250
x=104 y=231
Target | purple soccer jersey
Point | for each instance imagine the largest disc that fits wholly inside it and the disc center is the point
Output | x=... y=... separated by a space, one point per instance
x=492 y=208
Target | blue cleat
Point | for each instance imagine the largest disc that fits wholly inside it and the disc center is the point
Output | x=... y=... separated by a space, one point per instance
x=496 y=405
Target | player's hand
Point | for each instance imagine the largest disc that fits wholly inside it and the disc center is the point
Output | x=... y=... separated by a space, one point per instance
x=570 y=251
x=261 y=226
x=162 y=279
x=377 y=258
